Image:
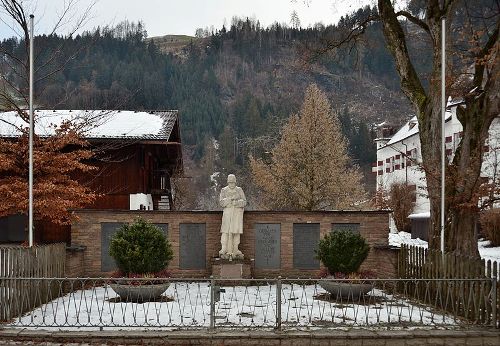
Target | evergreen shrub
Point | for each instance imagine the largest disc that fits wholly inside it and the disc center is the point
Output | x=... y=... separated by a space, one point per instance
x=342 y=252
x=140 y=248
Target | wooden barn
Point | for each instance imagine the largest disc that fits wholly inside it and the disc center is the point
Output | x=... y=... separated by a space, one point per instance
x=136 y=154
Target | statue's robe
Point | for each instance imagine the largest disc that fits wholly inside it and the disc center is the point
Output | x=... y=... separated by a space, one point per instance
x=233 y=201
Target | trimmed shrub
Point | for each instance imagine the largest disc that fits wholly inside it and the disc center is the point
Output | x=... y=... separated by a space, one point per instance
x=140 y=248
x=342 y=252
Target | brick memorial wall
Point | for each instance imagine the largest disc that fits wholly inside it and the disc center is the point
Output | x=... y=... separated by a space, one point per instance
x=278 y=243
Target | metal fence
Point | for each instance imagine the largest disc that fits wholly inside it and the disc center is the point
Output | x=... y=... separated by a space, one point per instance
x=92 y=303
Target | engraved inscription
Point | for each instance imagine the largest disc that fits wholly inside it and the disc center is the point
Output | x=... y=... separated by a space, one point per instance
x=353 y=227
x=267 y=246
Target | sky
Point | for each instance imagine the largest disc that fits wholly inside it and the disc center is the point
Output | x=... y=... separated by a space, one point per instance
x=181 y=17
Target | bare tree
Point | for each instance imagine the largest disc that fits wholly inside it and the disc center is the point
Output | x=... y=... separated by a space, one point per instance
x=475 y=70
x=49 y=61
x=400 y=198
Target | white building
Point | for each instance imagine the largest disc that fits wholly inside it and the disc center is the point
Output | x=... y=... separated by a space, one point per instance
x=399 y=157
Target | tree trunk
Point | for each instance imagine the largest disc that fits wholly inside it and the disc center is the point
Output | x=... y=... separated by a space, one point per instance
x=429 y=122
x=462 y=234
x=430 y=134
x=464 y=175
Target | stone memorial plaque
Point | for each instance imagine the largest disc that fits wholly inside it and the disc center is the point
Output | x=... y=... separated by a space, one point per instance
x=305 y=242
x=192 y=246
x=353 y=227
x=108 y=229
x=267 y=245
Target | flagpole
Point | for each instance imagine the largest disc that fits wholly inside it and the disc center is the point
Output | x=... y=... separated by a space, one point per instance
x=443 y=135
x=30 y=212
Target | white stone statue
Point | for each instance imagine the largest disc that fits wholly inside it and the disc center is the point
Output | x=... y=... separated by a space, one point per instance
x=233 y=200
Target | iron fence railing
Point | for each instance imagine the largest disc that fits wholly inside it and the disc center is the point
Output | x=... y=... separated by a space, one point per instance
x=257 y=303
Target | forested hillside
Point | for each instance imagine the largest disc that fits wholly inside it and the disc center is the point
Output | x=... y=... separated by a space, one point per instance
x=236 y=85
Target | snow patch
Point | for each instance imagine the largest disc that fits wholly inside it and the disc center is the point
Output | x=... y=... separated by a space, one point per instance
x=396 y=239
x=485 y=250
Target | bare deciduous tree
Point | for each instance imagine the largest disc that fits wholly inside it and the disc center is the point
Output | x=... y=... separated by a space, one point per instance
x=481 y=106
x=400 y=198
x=473 y=62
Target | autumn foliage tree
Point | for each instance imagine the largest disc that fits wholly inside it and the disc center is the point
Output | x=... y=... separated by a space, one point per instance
x=57 y=159
x=309 y=169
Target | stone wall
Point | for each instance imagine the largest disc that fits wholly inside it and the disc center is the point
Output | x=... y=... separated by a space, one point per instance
x=255 y=337
x=74 y=266
x=373 y=226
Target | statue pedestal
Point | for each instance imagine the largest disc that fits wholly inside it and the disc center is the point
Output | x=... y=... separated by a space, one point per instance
x=235 y=269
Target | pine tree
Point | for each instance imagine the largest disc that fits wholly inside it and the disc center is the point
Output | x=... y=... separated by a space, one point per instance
x=310 y=168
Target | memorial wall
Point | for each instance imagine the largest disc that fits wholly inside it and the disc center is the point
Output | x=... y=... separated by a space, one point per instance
x=274 y=243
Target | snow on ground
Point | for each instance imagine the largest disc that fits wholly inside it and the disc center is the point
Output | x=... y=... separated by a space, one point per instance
x=485 y=250
x=396 y=239
x=239 y=306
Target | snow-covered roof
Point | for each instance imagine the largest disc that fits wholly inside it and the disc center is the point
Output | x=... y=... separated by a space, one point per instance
x=146 y=125
x=452 y=103
x=425 y=215
x=407 y=131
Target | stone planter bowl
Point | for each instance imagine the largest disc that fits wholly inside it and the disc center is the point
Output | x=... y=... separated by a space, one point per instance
x=346 y=290
x=140 y=293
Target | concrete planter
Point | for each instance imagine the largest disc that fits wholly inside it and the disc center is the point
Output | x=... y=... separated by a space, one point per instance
x=141 y=293
x=346 y=290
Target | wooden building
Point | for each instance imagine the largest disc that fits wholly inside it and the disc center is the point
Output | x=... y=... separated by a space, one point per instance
x=136 y=154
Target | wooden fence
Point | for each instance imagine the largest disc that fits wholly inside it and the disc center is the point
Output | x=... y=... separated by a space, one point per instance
x=466 y=297
x=20 y=295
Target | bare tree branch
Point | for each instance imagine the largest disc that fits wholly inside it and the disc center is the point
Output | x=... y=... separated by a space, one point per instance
x=396 y=42
x=414 y=20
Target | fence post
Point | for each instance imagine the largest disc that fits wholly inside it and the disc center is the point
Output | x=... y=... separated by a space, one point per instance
x=494 y=301
x=212 y=302
x=278 y=303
